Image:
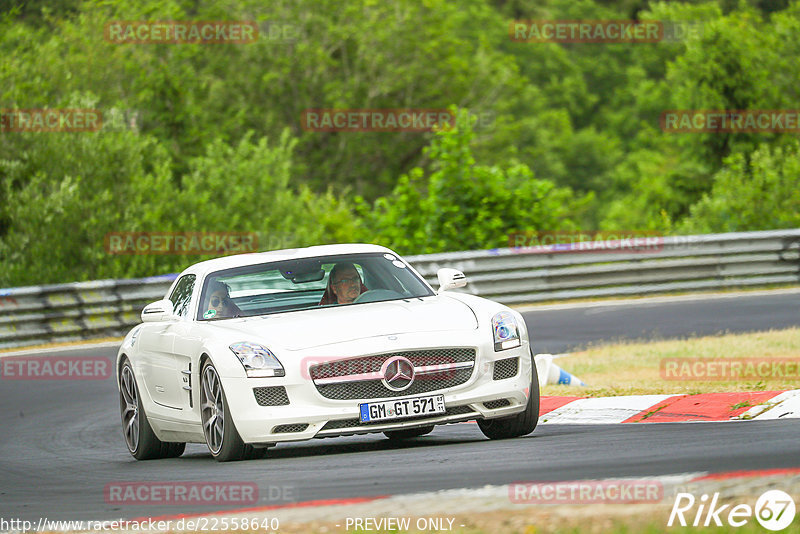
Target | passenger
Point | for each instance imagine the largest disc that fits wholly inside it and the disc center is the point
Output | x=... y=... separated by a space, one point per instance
x=219 y=303
x=344 y=285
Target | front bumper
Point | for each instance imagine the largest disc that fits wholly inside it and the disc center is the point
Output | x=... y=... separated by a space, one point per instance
x=310 y=415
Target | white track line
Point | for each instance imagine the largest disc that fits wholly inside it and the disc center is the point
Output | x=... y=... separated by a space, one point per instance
x=56 y=348
x=653 y=300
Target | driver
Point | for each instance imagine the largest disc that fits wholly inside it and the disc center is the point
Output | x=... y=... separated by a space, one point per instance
x=219 y=303
x=344 y=285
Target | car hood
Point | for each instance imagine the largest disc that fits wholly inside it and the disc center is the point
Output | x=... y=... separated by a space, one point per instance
x=313 y=328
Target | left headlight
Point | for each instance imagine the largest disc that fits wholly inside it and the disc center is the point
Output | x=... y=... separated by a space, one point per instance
x=258 y=361
x=506 y=331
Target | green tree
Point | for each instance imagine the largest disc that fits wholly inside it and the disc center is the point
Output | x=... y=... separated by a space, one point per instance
x=66 y=192
x=461 y=205
x=249 y=188
x=751 y=192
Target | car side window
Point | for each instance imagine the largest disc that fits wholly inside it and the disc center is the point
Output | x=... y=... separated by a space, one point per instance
x=182 y=295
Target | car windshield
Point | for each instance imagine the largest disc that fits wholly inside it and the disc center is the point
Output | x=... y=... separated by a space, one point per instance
x=306 y=283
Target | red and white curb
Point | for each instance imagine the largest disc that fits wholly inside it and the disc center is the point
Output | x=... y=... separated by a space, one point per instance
x=448 y=507
x=740 y=406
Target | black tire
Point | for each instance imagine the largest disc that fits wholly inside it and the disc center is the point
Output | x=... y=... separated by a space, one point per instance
x=520 y=424
x=222 y=438
x=175 y=450
x=139 y=437
x=397 y=435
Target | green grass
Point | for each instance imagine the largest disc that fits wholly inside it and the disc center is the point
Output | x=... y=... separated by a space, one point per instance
x=633 y=368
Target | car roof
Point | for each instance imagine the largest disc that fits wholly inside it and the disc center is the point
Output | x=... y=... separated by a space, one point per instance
x=240 y=260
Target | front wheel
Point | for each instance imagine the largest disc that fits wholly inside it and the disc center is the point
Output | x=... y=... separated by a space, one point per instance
x=520 y=424
x=139 y=436
x=222 y=438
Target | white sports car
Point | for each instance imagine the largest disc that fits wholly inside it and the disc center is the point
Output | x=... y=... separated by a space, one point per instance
x=250 y=350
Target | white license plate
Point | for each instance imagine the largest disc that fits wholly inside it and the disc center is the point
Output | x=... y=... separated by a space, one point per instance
x=401 y=408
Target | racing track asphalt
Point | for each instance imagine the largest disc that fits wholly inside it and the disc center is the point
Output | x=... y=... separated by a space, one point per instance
x=61 y=441
x=567 y=328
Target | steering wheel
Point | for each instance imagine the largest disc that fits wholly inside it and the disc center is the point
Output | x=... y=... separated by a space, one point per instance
x=375 y=295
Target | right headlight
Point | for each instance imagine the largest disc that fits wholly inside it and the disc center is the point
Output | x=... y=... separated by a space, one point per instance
x=505 y=330
x=258 y=361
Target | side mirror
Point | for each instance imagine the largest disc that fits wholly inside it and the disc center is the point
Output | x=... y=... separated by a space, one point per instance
x=160 y=310
x=450 y=278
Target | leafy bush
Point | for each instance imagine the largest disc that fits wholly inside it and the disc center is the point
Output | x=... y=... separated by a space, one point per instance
x=69 y=191
x=209 y=138
x=65 y=192
x=460 y=205
x=756 y=191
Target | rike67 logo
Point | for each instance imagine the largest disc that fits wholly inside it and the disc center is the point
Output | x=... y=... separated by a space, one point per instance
x=774 y=510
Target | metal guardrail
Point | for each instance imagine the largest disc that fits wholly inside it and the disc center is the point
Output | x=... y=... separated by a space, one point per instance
x=675 y=263
x=67 y=312
x=70 y=312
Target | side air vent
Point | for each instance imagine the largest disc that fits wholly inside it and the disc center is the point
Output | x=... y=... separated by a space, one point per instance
x=288 y=429
x=505 y=368
x=492 y=405
x=271 y=396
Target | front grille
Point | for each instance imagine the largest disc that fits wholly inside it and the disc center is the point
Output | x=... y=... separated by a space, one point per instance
x=287 y=429
x=505 y=368
x=374 y=389
x=271 y=396
x=353 y=423
x=491 y=405
x=372 y=364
